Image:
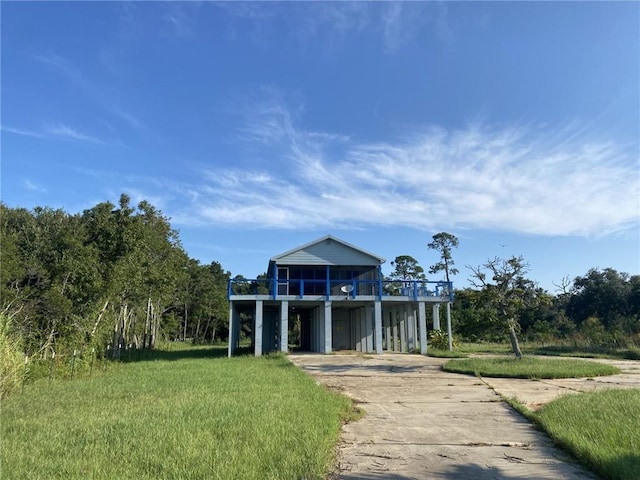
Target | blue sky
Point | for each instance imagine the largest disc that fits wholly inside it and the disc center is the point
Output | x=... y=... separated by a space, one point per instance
x=258 y=127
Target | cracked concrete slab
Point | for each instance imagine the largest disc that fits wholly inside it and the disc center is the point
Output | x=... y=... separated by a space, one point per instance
x=424 y=423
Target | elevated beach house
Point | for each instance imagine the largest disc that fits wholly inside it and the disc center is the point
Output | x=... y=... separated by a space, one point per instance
x=336 y=294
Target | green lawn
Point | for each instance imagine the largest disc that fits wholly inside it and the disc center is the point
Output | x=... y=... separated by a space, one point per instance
x=175 y=417
x=434 y=352
x=529 y=367
x=602 y=429
x=559 y=350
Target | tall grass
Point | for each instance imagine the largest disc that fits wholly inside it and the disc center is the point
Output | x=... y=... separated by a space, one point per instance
x=561 y=348
x=602 y=429
x=529 y=367
x=175 y=418
x=11 y=359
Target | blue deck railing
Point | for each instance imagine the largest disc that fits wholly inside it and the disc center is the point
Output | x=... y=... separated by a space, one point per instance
x=346 y=288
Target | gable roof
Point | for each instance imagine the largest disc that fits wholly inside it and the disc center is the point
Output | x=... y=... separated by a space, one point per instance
x=327 y=250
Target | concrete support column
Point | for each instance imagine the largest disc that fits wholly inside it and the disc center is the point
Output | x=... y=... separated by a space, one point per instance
x=233 y=319
x=327 y=347
x=394 y=322
x=436 y=316
x=422 y=321
x=449 y=334
x=257 y=334
x=318 y=329
x=357 y=329
x=411 y=328
x=403 y=330
x=387 y=319
x=284 y=326
x=377 y=320
x=368 y=322
x=318 y=321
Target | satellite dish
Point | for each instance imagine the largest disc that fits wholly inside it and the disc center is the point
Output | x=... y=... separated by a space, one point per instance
x=346 y=289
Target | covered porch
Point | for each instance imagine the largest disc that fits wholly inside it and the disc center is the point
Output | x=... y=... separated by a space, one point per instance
x=393 y=323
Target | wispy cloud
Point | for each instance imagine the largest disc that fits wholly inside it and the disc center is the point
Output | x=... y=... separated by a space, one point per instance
x=401 y=22
x=101 y=95
x=328 y=23
x=514 y=179
x=23 y=132
x=180 y=17
x=52 y=132
x=129 y=118
x=34 y=187
x=63 y=131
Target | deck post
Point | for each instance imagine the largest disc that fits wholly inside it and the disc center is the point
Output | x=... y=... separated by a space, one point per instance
x=387 y=326
x=394 y=324
x=232 y=330
x=449 y=335
x=377 y=319
x=327 y=327
x=284 y=326
x=369 y=322
x=403 y=330
x=436 y=316
x=257 y=334
x=422 y=320
x=411 y=327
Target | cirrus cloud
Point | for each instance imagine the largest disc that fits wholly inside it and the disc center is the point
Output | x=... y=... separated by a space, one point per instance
x=518 y=179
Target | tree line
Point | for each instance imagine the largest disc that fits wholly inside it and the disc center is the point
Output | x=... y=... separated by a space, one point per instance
x=112 y=277
x=116 y=276
x=600 y=309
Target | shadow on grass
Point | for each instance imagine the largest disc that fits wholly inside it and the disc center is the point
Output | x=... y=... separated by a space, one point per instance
x=181 y=352
x=621 y=468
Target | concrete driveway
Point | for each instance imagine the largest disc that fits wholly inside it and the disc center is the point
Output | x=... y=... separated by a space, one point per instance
x=423 y=423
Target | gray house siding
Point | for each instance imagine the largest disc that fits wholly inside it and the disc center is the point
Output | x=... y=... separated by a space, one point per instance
x=334 y=291
x=327 y=251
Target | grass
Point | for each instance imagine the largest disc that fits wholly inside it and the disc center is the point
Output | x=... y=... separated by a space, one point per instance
x=529 y=367
x=555 y=350
x=537 y=348
x=484 y=347
x=602 y=429
x=184 y=416
x=434 y=352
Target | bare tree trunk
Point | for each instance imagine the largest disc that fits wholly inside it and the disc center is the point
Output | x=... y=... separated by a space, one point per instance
x=48 y=345
x=157 y=317
x=123 y=328
x=206 y=328
x=152 y=326
x=513 y=337
x=95 y=325
x=184 y=335
x=145 y=336
x=196 y=336
x=128 y=321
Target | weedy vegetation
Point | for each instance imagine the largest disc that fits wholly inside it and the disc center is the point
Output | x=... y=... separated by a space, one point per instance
x=601 y=429
x=176 y=417
x=529 y=367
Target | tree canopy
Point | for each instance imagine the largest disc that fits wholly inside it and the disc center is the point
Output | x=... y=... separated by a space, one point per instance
x=114 y=275
x=444 y=243
x=407 y=268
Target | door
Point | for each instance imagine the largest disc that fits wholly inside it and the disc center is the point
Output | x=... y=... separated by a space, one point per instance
x=283 y=281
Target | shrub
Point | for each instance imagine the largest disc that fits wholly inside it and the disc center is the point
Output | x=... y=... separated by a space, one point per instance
x=11 y=366
x=439 y=340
